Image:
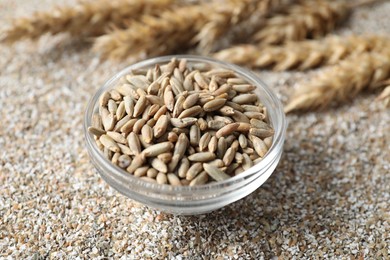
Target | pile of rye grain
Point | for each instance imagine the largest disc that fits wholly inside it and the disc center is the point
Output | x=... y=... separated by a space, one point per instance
x=182 y=125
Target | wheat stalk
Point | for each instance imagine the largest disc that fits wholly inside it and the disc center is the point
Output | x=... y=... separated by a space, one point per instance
x=302 y=55
x=156 y=35
x=308 y=19
x=230 y=14
x=342 y=82
x=84 y=19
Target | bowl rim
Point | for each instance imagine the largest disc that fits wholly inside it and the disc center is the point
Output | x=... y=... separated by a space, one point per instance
x=273 y=152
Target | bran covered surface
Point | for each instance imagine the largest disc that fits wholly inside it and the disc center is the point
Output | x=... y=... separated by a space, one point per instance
x=329 y=196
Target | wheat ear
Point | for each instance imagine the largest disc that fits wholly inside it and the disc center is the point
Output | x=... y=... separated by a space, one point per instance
x=155 y=35
x=302 y=55
x=342 y=82
x=84 y=19
x=230 y=14
x=308 y=19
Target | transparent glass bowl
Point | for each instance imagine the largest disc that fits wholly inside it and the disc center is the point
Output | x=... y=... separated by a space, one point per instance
x=184 y=199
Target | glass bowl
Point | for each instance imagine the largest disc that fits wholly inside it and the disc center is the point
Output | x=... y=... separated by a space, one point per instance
x=188 y=200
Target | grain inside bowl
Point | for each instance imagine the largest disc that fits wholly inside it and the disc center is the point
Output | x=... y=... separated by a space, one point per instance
x=182 y=124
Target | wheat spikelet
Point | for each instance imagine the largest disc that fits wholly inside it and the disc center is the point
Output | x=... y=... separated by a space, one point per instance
x=342 y=82
x=385 y=95
x=85 y=19
x=231 y=13
x=155 y=35
x=308 y=19
x=302 y=55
